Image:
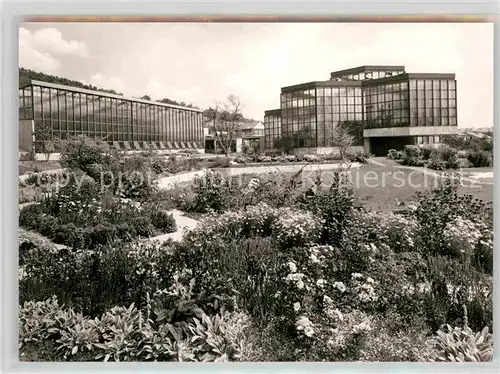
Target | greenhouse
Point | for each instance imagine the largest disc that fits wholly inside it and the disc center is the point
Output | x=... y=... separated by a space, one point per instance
x=49 y=113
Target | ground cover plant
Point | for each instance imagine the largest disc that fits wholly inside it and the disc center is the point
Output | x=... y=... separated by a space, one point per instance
x=99 y=198
x=277 y=270
x=444 y=156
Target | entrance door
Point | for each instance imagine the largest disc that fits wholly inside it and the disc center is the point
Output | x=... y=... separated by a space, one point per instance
x=380 y=146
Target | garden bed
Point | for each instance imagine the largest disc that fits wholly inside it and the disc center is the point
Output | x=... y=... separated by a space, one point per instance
x=82 y=221
x=269 y=282
x=275 y=271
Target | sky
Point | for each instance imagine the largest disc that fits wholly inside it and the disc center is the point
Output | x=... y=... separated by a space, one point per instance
x=201 y=63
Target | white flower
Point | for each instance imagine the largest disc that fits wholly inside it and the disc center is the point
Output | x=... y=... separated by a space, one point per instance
x=294 y=277
x=363 y=326
x=340 y=286
x=304 y=324
x=292 y=267
x=327 y=299
x=314 y=259
x=321 y=283
x=309 y=331
x=300 y=284
x=296 y=306
x=356 y=275
x=339 y=314
x=369 y=280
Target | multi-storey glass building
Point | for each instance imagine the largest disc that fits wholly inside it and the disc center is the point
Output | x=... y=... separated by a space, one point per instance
x=383 y=107
x=272 y=127
x=126 y=124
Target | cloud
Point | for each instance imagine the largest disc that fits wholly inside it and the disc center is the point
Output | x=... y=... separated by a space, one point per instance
x=31 y=58
x=201 y=63
x=155 y=88
x=37 y=50
x=112 y=83
x=51 y=41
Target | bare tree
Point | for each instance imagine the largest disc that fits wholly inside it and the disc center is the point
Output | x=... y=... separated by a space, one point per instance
x=224 y=119
x=343 y=139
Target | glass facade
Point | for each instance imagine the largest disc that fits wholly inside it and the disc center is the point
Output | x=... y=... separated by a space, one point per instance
x=298 y=116
x=386 y=105
x=367 y=74
x=364 y=98
x=339 y=106
x=433 y=102
x=272 y=127
x=70 y=112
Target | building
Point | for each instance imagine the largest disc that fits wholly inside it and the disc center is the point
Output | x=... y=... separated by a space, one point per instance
x=251 y=129
x=246 y=134
x=475 y=133
x=124 y=123
x=383 y=107
x=252 y=136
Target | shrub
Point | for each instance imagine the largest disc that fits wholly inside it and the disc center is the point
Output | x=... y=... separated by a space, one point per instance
x=295 y=228
x=163 y=221
x=392 y=154
x=311 y=158
x=82 y=152
x=264 y=159
x=436 y=163
x=213 y=192
x=462 y=345
x=29 y=216
x=333 y=204
x=426 y=152
x=480 y=158
x=462 y=154
x=412 y=156
x=223 y=162
x=461 y=237
x=442 y=205
x=449 y=156
x=358 y=156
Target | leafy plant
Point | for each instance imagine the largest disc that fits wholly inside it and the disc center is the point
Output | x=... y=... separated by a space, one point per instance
x=480 y=158
x=462 y=345
x=163 y=221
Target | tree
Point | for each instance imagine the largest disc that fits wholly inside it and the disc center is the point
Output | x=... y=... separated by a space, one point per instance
x=300 y=138
x=224 y=119
x=44 y=141
x=285 y=144
x=146 y=97
x=342 y=138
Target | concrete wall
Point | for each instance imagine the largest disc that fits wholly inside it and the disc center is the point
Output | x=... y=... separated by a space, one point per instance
x=324 y=150
x=57 y=156
x=410 y=131
x=239 y=144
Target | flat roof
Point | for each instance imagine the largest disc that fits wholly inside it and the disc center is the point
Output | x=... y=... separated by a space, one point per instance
x=364 y=68
x=328 y=83
x=272 y=111
x=407 y=76
x=104 y=94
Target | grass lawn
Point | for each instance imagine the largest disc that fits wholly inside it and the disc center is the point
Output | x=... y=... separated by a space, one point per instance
x=378 y=187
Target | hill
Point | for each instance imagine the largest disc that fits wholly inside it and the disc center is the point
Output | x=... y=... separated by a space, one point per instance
x=25 y=75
